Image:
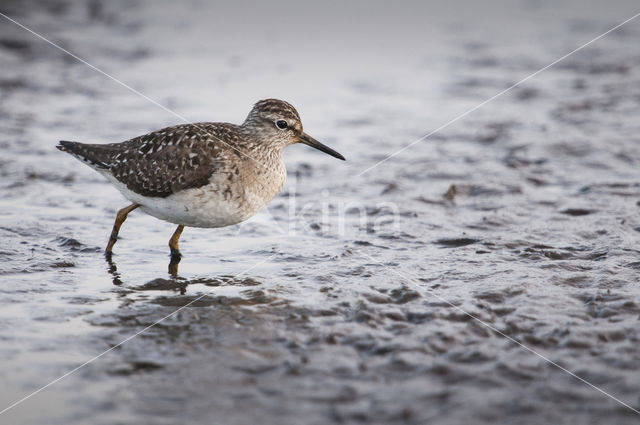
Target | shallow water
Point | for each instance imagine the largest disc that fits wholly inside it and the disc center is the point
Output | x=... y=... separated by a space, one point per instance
x=343 y=301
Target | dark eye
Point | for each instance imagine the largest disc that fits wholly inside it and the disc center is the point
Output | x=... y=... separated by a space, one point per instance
x=282 y=124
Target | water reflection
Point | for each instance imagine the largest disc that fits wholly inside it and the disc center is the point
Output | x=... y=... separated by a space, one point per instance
x=179 y=284
x=116 y=277
x=113 y=269
x=173 y=264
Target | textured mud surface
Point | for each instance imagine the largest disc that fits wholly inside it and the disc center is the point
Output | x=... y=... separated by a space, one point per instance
x=342 y=302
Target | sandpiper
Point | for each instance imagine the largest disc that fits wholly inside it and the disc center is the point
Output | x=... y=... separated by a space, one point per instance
x=201 y=175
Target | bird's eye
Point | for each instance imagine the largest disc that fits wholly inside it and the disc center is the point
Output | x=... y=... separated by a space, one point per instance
x=282 y=124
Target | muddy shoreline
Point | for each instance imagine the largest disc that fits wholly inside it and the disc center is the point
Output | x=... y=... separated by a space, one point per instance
x=525 y=214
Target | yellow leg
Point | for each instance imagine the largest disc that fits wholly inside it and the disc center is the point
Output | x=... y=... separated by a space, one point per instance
x=173 y=242
x=120 y=218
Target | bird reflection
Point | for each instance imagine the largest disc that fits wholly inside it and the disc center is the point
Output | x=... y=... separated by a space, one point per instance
x=249 y=288
x=116 y=277
x=173 y=264
x=113 y=270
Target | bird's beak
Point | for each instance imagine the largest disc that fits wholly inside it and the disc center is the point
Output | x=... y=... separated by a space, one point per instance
x=308 y=140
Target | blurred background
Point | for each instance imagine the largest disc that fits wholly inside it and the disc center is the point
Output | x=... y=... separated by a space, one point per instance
x=523 y=213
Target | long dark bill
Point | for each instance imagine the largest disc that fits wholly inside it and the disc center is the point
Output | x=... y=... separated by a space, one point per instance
x=308 y=140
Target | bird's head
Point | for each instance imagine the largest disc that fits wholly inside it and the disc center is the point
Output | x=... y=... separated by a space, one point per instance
x=277 y=122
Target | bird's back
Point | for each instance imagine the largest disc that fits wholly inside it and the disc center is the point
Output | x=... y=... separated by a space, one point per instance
x=166 y=161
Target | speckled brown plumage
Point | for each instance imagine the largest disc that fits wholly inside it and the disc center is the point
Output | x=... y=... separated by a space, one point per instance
x=201 y=175
x=166 y=161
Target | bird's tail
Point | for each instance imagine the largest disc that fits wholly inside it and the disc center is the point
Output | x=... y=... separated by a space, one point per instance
x=93 y=155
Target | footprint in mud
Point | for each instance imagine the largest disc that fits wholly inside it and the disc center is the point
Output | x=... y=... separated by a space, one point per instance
x=75 y=245
x=456 y=242
x=135 y=367
x=576 y=212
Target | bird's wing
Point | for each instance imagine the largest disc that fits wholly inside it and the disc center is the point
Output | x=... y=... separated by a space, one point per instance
x=173 y=159
x=166 y=161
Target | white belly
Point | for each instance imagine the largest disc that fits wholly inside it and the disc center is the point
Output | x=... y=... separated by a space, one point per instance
x=206 y=206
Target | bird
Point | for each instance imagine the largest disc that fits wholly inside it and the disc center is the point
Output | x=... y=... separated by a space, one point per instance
x=207 y=175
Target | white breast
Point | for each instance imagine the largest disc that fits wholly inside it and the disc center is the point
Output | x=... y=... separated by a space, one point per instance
x=220 y=203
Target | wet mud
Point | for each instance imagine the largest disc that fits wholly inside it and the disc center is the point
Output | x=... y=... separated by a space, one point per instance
x=354 y=298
